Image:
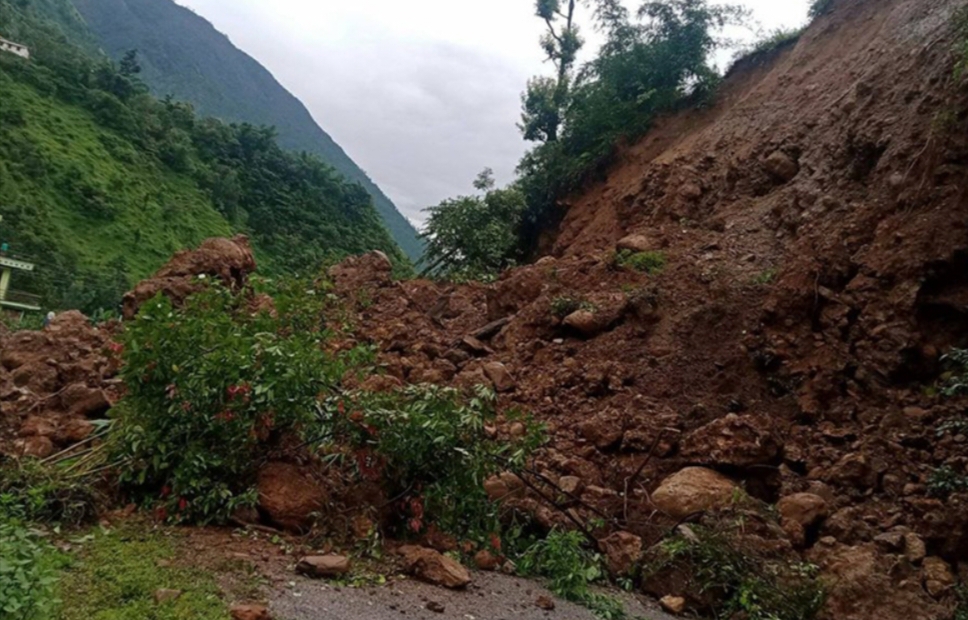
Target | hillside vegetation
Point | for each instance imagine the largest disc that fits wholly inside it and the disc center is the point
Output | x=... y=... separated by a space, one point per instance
x=101 y=182
x=184 y=56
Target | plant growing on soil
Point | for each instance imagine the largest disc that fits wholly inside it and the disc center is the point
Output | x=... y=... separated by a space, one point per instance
x=26 y=577
x=34 y=492
x=820 y=7
x=955 y=381
x=737 y=582
x=646 y=262
x=210 y=387
x=571 y=569
x=564 y=305
x=428 y=447
x=944 y=481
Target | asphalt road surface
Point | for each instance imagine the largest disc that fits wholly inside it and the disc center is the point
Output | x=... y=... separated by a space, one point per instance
x=491 y=596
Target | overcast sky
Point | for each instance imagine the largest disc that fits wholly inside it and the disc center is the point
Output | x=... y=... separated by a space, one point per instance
x=422 y=94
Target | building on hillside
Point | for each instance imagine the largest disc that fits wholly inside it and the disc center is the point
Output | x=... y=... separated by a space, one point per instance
x=14 y=48
x=11 y=299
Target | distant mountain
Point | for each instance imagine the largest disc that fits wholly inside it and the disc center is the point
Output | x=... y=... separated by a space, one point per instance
x=183 y=55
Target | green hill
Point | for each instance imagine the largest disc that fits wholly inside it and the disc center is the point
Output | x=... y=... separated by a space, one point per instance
x=183 y=55
x=100 y=182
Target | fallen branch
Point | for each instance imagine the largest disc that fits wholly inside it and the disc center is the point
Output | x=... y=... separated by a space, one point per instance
x=491 y=329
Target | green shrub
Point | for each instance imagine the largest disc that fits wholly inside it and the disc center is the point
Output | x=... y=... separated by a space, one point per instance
x=820 y=7
x=777 y=39
x=944 y=481
x=564 y=305
x=955 y=380
x=26 y=577
x=33 y=492
x=209 y=386
x=428 y=447
x=571 y=569
x=741 y=584
x=646 y=262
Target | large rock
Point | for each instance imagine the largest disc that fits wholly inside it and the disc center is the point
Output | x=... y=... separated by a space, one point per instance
x=636 y=243
x=432 y=567
x=781 y=166
x=229 y=260
x=622 y=552
x=323 y=566
x=83 y=401
x=799 y=513
x=288 y=496
x=500 y=376
x=735 y=441
x=694 y=490
x=938 y=576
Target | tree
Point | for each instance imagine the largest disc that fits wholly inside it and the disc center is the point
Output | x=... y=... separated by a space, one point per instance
x=129 y=65
x=474 y=236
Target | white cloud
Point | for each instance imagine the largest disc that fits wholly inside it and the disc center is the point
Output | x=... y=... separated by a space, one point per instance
x=421 y=94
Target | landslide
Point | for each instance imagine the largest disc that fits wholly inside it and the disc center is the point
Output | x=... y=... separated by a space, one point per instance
x=813 y=224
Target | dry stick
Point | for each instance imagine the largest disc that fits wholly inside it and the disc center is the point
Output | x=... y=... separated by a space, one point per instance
x=581 y=526
x=491 y=328
x=54 y=458
x=638 y=472
x=86 y=459
x=571 y=496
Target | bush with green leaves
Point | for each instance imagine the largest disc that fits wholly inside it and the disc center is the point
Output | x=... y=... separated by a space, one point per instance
x=34 y=492
x=820 y=7
x=26 y=577
x=645 y=262
x=210 y=386
x=428 y=447
x=571 y=569
x=944 y=481
x=955 y=380
x=564 y=305
x=739 y=583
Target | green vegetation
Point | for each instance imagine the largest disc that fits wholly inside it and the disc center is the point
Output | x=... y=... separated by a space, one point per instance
x=571 y=570
x=427 y=446
x=92 y=166
x=474 y=236
x=27 y=574
x=820 y=7
x=776 y=40
x=961 y=609
x=564 y=305
x=645 y=262
x=741 y=583
x=944 y=481
x=30 y=491
x=766 y=277
x=955 y=380
x=116 y=574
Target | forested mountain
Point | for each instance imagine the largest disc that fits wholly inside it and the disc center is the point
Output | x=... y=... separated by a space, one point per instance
x=101 y=182
x=183 y=55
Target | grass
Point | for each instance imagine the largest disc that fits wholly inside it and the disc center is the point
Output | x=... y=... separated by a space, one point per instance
x=564 y=305
x=643 y=262
x=116 y=574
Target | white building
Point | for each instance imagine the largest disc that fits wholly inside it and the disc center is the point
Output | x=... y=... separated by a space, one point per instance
x=14 y=48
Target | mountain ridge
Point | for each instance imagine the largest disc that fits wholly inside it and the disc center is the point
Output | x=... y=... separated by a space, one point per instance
x=183 y=55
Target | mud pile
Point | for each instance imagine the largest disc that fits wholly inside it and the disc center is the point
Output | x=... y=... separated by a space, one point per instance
x=813 y=224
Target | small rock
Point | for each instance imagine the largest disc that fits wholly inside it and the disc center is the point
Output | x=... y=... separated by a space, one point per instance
x=673 y=604
x=517 y=430
x=545 y=602
x=500 y=376
x=693 y=490
x=35 y=426
x=486 y=561
x=635 y=243
x=583 y=321
x=891 y=542
x=436 y=607
x=323 y=566
x=432 y=567
x=690 y=191
x=622 y=552
x=37 y=447
x=914 y=548
x=937 y=575
x=250 y=612
x=571 y=485
x=165 y=595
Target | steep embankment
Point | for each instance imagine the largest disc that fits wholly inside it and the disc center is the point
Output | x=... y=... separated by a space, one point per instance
x=813 y=227
x=184 y=56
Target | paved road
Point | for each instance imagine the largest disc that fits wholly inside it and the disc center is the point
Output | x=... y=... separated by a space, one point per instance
x=490 y=597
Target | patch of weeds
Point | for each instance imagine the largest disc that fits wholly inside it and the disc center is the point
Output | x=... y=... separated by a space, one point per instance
x=945 y=481
x=765 y=278
x=961 y=608
x=736 y=583
x=955 y=380
x=31 y=491
x=116 y=574
x=564 y=305
x=820 y=7
x=644 y=262
x=775 y=40
x=27 y=321
x=952 y=426
x=570 y=569
x=28 y=573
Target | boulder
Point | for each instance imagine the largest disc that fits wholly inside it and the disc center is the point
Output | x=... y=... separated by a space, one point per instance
x=500 y=376
x=781 y=166
x=323 y=566
x=636 y=243
x=694 y=490
x=584 y=322
x=938 y=576
x=432 y=567
x=288 y=496
x=604 y=430
x=622 y=552
x=735 y=441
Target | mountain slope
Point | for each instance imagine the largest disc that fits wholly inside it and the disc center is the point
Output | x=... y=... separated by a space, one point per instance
x=185 y=56
x=100 y=182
